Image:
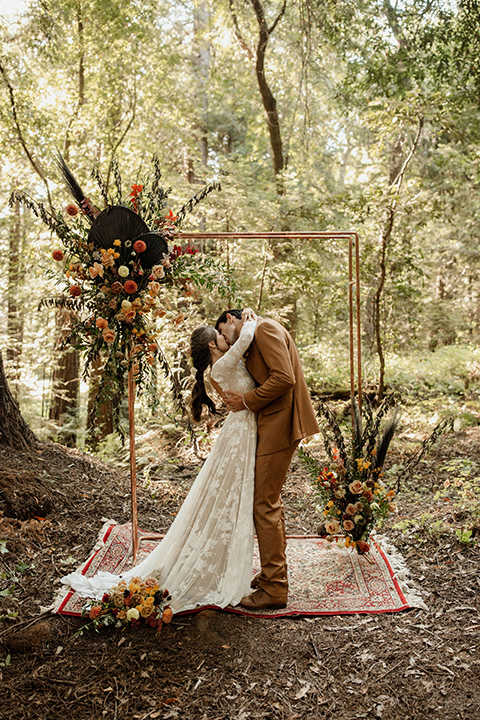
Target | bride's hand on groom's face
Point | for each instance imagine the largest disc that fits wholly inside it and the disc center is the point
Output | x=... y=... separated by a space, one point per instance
x=248 y=314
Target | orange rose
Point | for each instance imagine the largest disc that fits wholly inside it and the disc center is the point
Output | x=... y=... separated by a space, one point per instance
x=108 y=335
x=154 y=288
x=75 y=290
x=129 y=315
x=167 y=615
x=101 y=323
x=71 y=210
x=348 y=525
x=356 y=487
x=57 y=255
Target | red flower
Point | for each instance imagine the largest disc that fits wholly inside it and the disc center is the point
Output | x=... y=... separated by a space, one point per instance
x=139 y=246
x=136 y=190
x=176 y=252
x=191 y=250
x=71 y=210
x=106 y=597
x=362 y=547
x=130 y=287
x=171 y=216
x=75 y=290
x=57 y=255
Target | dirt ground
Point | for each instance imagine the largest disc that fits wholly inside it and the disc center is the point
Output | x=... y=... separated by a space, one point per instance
x=214 y=665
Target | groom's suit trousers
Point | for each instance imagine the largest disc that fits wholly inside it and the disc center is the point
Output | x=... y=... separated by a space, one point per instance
x=269 y=518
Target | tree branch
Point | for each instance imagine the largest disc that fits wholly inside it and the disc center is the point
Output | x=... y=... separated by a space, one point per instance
x=236 y=28
x=23 y=143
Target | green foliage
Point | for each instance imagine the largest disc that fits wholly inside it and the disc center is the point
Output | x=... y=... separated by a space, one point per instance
x=351 y=82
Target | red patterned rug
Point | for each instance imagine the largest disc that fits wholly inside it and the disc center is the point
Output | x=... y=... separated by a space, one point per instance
x=324 y=579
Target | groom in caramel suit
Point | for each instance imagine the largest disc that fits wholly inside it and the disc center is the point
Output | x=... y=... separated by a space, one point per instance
x=284 y=416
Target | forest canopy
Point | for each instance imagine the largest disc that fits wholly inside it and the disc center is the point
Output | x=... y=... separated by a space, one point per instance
x=313 y=115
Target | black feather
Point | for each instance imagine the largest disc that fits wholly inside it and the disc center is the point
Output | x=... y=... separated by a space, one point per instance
x=384 y=440
x=73 y=186
x=198 y=197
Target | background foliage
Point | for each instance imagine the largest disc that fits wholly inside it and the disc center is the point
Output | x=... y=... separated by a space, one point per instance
x=363 y=115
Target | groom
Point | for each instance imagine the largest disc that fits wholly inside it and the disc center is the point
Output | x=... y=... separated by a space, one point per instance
x=284 y=416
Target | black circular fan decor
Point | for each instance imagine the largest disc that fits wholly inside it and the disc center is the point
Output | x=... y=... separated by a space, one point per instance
x=156 y=248
x=116 y=222
x=122 y=223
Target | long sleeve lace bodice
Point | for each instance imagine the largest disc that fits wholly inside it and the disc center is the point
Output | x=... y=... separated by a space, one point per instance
x=230 y=371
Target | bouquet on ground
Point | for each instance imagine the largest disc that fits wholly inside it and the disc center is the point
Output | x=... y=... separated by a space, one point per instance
x=133 y=603
x=352 y=493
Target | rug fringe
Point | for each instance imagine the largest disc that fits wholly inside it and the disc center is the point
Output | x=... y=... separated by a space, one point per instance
x=397 y=562
x=63 y=591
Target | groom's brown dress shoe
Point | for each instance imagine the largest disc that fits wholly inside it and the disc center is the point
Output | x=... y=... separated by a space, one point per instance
x=260 y=600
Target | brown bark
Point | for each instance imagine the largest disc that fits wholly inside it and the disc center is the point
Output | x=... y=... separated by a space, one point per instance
x=268 y=99
x=99 y=416
x=385 y=240
x=14 y=310
x=14 y=431
x=65 y=381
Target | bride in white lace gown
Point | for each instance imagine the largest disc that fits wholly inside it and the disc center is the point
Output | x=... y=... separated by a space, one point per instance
x=206 y=556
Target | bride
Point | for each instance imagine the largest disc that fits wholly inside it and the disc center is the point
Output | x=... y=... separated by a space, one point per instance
x=206 y=556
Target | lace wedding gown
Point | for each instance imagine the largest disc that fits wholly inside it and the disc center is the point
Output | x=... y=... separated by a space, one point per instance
x=206 y=556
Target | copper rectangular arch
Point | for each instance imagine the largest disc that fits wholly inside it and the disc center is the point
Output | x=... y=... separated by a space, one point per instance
x=353 y=246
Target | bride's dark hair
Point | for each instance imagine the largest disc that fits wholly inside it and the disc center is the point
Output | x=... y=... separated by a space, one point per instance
x=200 y=353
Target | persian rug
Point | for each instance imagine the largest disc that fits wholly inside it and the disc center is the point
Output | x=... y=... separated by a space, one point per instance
x=323 y=579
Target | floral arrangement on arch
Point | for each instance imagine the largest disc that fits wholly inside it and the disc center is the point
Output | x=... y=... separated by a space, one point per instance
x=129 y=604
x=352 y=493
x=116 y=267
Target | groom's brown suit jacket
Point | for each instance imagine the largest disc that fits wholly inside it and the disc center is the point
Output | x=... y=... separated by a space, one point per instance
x=281 y=398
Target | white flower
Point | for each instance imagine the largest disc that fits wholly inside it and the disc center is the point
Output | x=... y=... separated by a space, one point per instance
x=132 y=614
x=123 y=271
x=126 y=304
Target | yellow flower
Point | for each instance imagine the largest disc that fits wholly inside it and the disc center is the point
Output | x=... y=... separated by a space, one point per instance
x=117 y=242
x=111 y=251
x=116 y=255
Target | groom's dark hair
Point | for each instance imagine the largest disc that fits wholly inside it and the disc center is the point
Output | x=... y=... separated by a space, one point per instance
x=223 y=317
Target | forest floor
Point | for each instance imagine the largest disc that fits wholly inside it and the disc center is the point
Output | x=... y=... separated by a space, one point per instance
x=215 y=665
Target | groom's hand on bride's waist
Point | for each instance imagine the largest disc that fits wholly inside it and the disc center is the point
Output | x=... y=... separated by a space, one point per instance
x=235 y=401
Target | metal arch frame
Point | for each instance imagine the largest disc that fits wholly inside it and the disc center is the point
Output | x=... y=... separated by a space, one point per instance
x=353 y=243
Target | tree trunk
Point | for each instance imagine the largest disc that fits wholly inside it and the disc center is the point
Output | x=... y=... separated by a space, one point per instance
x=268 y=99
x=65 y=380
x=14 y=309
x=99 y=418
x=398 y=167
x=14 y=431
